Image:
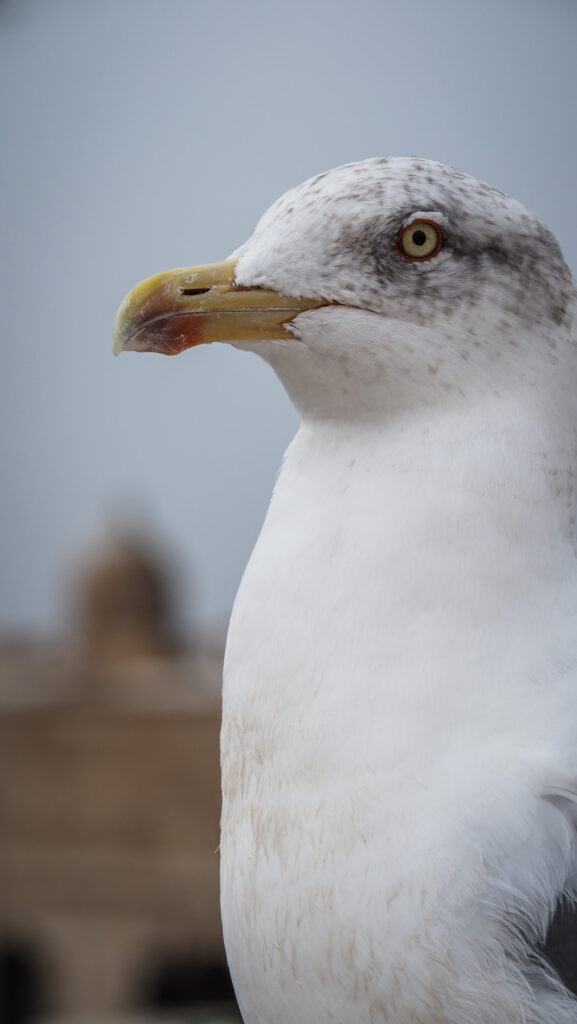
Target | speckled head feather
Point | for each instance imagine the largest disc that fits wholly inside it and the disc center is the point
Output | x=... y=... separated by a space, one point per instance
x=497 y=290
x=334 y=236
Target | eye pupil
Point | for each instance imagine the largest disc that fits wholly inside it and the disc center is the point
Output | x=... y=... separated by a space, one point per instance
x=419 y=237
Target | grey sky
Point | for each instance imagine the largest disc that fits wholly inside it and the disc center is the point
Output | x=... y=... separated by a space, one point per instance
x=143 y=134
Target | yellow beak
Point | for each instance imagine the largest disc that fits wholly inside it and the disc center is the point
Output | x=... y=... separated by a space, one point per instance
x=177 y=309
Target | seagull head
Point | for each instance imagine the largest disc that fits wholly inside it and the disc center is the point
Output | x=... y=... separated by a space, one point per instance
x=377 y=288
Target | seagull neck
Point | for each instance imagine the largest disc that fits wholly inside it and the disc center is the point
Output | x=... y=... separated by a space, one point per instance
x=487 y=479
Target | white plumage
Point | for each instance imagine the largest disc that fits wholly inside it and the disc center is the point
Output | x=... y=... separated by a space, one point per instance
x=399 y=738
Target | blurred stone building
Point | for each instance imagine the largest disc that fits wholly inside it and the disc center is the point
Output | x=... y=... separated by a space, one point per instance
x=109 y=808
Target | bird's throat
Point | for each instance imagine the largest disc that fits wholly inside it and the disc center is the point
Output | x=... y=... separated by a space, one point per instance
x=449 y=519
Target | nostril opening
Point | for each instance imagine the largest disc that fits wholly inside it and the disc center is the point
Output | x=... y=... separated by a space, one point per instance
x=194 y=291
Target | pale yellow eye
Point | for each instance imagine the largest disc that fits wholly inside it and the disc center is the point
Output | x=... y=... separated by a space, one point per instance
x=420 y=240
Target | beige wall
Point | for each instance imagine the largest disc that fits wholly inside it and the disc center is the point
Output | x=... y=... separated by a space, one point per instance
x=108 y=845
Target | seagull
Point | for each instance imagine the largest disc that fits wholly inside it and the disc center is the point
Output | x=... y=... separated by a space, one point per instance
x=399 y=739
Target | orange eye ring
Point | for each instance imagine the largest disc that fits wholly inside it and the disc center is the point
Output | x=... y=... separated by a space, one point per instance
x=419 y=241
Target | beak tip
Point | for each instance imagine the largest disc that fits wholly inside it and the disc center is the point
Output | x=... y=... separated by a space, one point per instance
x=123 y=342
x=121 y=334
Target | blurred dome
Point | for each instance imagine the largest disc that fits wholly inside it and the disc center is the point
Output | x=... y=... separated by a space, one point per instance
x=125 y=601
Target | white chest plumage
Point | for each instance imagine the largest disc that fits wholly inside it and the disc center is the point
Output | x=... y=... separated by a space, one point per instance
x=364 y=665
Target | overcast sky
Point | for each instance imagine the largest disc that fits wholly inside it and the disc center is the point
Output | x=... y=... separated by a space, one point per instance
x=142 y=134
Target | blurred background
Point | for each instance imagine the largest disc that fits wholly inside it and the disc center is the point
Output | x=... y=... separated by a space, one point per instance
x=138 y=135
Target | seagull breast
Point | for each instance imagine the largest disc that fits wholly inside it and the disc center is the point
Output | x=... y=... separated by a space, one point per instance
x=399 y=743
